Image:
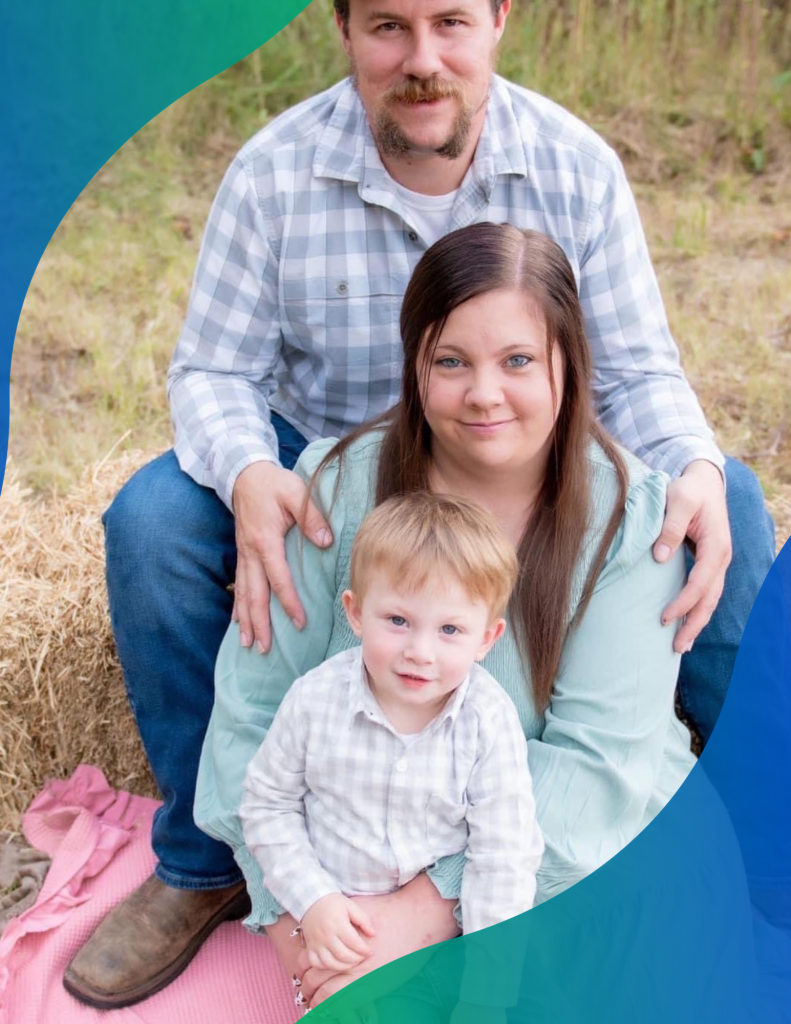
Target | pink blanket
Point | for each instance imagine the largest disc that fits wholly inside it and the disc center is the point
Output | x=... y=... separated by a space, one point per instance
x=99 y=841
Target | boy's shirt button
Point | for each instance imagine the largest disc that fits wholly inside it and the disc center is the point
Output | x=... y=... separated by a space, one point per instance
x=401 y=765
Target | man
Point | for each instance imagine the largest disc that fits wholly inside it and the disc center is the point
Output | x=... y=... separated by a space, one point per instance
x=292 y=334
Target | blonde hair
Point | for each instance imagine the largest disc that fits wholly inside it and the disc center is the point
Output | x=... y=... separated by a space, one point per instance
x=422 y=536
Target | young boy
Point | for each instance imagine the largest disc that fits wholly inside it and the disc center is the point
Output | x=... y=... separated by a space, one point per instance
x=391 y=755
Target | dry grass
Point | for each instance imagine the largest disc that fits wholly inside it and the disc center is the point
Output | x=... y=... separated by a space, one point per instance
x=724 y=264
x=62 y=698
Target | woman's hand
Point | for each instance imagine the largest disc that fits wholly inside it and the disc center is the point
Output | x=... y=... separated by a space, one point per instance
x=410 y=919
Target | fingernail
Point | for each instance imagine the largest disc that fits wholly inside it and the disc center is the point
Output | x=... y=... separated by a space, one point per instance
x=297 y=624
x=246 y=639
x=261 y=648
x=666 y=621
x=295 y=981
x=324 y=537
x=688 y=648
x=662 y=553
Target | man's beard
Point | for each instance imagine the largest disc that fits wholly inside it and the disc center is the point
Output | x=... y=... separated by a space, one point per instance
x=392 y=141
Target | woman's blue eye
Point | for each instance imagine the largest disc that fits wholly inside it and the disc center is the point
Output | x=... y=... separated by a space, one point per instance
x=449 y=362
x=449 y=630
x=519 y=360
x=398 y=620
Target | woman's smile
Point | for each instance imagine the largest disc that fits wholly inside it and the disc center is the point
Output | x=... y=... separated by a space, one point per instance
x=485 y=428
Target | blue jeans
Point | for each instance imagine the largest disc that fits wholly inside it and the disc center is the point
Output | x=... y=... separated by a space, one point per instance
x=171 y=555
x=706 y=670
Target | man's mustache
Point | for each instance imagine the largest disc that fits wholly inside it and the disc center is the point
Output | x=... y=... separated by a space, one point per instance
x=418 y=91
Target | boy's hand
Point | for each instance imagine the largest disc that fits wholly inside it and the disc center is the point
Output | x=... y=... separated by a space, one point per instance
x=471 y=1013
x=331 y=929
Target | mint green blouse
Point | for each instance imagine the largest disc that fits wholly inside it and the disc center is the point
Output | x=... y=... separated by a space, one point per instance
x=606 y=754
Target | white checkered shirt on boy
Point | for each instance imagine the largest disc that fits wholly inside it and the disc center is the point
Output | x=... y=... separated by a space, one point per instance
x=337 y=801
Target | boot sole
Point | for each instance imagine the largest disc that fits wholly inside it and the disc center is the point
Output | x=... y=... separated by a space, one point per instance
x=237 y=908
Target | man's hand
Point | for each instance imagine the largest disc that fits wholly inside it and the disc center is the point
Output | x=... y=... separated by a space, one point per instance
x=331 y=928
x=696 y=509
x=267 y=501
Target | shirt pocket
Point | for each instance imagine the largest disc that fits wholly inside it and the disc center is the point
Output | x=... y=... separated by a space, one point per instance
x=341 y=338
x=446 y=824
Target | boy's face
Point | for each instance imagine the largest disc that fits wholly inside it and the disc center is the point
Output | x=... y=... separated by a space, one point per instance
x=418 y=646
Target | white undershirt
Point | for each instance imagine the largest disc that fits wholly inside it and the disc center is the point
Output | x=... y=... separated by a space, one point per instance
x=430 y=215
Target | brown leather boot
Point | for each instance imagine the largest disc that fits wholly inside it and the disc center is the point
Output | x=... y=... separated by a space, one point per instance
x=147 y=941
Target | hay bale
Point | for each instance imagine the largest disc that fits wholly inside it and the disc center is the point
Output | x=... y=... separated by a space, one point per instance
x=62 y=698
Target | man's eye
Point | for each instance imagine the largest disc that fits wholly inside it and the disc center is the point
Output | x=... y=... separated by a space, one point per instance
x=449 y=630
x=451 y=22
x=519 y=360
x=398 y=620
x=387 y=26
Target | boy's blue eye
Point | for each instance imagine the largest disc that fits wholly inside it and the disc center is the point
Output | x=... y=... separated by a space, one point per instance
x=398 y=620
x=450 y=630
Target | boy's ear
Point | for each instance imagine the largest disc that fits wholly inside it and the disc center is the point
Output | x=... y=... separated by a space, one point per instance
x=353 y=612
x=490 y=638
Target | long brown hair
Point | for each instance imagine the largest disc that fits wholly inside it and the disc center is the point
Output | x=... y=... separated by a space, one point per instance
x=468 y=262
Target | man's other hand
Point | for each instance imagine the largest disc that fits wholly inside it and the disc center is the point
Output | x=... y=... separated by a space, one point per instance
x=267 y=501
x=696 y=510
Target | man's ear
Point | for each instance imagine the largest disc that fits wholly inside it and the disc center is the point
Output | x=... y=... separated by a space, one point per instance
x=499 y=21
x=490 y=638
x=343 y=28
x=353 y=612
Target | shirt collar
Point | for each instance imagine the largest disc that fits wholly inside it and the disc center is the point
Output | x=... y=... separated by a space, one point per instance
x=346 y=149
x=363 y=702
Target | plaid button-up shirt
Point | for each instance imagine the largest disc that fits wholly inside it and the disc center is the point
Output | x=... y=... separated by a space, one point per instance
x=337 y=801
x=308 y=251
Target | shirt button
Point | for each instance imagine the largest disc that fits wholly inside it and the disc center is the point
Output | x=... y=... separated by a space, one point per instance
x=412 y=236
x=401 y=765
x=342 y=288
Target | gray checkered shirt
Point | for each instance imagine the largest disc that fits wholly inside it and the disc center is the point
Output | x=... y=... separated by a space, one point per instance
x=336 y=800
x=308 y=251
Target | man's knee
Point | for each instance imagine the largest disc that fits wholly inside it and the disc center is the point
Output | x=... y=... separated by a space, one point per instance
x=159 y=511
x=751 y=525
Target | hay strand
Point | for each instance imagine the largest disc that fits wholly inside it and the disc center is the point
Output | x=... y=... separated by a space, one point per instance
x=62 y=698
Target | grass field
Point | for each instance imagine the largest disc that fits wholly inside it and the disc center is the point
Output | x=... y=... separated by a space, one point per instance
x=695 y=96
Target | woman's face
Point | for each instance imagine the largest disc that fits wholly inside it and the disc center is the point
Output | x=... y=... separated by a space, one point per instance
x=488 y=398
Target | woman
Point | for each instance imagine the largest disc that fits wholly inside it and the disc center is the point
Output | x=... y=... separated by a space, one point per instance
x=495 y=408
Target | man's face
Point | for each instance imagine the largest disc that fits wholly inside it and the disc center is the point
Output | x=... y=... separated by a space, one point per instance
x=422 y=69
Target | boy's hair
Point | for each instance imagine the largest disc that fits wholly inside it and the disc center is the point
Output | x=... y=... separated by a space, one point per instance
x=420 y=537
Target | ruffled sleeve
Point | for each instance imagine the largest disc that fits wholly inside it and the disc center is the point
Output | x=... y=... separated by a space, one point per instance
x=596 y=763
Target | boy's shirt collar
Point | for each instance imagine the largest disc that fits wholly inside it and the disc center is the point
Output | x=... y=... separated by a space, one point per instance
x=363 y=702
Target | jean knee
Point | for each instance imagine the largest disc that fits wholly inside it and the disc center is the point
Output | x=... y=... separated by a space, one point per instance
x=749 y=517
x=161 y=514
